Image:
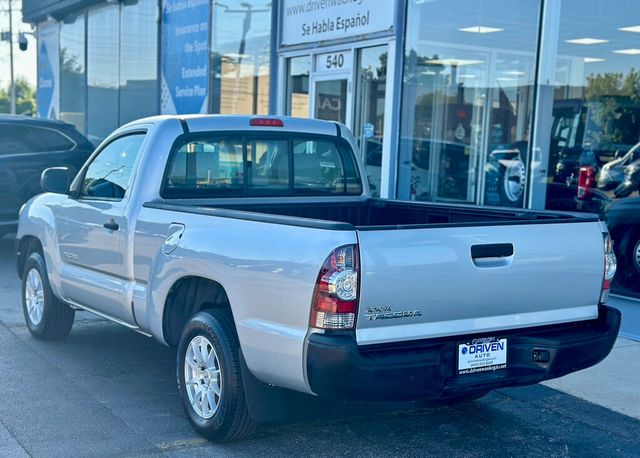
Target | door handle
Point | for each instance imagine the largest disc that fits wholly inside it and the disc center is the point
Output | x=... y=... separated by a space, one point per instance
x=111 y=225
x=492 y=254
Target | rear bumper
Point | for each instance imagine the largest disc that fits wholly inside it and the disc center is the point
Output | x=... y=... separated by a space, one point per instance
x=338 y=368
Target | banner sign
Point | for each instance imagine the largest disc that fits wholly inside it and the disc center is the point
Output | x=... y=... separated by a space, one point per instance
x=185 y=57
x=307 y=21
x=48 y=94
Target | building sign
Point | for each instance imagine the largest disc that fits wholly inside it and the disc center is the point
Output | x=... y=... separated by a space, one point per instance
x=185 y=57
x=307 y=21
x=333 y=62
x=48 y=95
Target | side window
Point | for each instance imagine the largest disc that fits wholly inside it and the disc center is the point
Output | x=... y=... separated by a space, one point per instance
x=109 y=174
x=11 y=142
x=47 y=140
x=16 y=139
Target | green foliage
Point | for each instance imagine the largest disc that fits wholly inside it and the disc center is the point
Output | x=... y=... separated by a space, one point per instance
x=614 y=107
x=25 y=99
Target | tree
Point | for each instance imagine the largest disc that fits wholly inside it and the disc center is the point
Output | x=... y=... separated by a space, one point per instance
x=614 y=108
x=25 y=99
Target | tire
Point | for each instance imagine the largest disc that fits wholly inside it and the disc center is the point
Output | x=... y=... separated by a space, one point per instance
x=628 y=275
x=512 y=184
x=224 y=415
x=47 y=317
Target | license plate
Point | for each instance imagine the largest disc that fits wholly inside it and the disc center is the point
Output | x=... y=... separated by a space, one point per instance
x=481 y=355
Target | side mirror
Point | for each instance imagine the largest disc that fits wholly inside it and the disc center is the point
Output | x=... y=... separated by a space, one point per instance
x=55 y=179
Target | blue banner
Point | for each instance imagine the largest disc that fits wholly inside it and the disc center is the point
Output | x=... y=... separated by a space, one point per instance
x=185 y=56
x=48 y=94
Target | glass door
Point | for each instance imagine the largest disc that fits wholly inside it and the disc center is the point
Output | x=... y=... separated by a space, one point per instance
x=368 y=127
x=330 y=99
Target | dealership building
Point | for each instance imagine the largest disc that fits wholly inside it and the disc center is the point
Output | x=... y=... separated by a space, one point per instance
x=492 y=102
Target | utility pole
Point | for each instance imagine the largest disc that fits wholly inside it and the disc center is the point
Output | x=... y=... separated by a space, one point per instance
x=13 y=83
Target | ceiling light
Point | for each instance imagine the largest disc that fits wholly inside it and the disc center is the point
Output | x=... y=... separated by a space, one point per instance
x=633 y=28
x=466 y=76
x=506 y=79
x=590 y=60
x=587 y=41
x=514 y=73
x=428 y=73
x=454 y=62
x=629 y=52
x=480 y=29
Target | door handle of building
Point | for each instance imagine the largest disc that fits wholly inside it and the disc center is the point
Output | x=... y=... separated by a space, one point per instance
x=111 y=225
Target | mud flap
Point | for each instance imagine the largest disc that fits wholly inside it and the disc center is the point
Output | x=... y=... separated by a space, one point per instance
x=265 y=402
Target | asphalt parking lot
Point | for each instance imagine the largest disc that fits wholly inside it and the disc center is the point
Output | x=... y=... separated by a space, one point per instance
x=107 y=391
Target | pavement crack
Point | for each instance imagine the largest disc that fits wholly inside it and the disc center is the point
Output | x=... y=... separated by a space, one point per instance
x=11 y=433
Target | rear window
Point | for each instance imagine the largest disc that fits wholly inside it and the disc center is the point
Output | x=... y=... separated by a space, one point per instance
x=228 y=166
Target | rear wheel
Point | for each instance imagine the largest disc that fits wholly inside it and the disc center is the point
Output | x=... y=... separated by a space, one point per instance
x=209 y=377
x=46 y=316
x=628 y=253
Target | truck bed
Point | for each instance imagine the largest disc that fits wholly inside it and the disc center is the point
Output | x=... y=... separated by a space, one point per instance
x=378 y=214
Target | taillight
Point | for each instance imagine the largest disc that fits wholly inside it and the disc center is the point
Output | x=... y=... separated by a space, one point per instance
x=610 y=266
x=266 y=122
x=335 y=299
x=586 y=178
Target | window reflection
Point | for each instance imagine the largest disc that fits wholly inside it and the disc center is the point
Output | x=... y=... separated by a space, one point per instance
x=72 y=71
x=240 y=59
x=298 y=86
x=467 y=101
x=589 y=144
x=138 y=60
x=102 y=71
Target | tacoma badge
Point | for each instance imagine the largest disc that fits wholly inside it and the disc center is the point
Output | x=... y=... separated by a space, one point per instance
x=385 y=313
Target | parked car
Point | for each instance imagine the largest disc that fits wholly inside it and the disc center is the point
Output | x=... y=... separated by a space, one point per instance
x=289 y=276
x=630 y=182
x=623 y=218
x=613 y=172
x=27 y=147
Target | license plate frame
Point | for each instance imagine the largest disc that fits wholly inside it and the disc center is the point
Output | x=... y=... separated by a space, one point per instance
x=482 y=355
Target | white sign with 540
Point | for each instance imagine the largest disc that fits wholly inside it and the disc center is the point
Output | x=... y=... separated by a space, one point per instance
x=306 y=21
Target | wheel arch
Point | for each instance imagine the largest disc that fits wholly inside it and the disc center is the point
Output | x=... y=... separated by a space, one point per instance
x=187 y=296
x=25 y=246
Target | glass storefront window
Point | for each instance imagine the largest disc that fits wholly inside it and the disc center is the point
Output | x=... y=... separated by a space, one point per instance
x=297 y=99
x=103 y=35
x=467 y=100
x=589 y=147
x=240 y=57
x=138 y=60
x=371 y=82
x=72 y=71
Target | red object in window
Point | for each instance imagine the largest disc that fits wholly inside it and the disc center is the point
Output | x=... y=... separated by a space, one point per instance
x=586 y=180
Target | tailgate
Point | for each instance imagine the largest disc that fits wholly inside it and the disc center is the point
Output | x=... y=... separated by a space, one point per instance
x=434 y=282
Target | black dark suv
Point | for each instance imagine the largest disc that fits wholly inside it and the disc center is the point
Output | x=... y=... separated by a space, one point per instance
x=27 y=147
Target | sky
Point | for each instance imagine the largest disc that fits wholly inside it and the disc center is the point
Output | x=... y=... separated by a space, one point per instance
x=24 y=61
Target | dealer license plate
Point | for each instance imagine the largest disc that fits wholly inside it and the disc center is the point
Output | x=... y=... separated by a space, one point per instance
x=481 y=355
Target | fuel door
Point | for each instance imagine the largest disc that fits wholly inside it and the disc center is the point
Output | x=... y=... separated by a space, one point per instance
x=173 y=240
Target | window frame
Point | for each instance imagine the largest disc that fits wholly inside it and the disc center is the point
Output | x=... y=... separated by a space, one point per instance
x=76 y=185
x=342 y=147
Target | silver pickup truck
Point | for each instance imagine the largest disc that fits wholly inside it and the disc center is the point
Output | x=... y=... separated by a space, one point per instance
x=253 y=246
